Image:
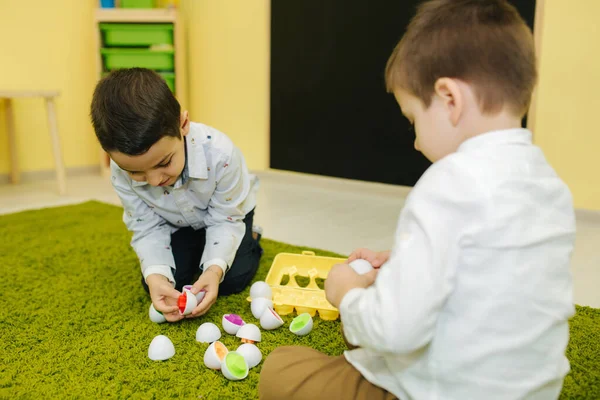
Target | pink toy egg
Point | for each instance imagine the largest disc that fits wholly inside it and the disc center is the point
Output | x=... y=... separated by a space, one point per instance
x=270 y=320
x=232 y=323
x=259 y=305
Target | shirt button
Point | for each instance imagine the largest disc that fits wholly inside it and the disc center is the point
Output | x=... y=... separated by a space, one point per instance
x=180 y=221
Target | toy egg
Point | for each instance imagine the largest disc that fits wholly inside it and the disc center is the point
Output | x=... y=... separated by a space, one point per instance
x=260 y=289
x=199 y=295
x=161 y=348
x=232 y=323
x=234 y=366
x=361 y=266
x=249 y=333
x=208 y=333
x=270 y=320
x=155 y=315
x=187 y=302
x=259 y=305
x=302 y=324
x=251 y=354
x=214 y=355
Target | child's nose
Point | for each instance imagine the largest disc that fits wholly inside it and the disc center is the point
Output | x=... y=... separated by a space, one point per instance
x=417 y=145
x=154 y=178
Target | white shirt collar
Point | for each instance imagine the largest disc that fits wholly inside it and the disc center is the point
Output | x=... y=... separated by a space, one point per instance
x=505 y=136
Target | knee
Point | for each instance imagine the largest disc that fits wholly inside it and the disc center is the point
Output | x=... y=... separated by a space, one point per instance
x=269 y=384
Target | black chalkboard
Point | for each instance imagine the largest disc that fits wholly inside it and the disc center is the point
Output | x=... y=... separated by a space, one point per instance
x=330 y=113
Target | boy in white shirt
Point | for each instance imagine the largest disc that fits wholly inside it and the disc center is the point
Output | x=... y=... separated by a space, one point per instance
x=187 y=195
x=474 y=299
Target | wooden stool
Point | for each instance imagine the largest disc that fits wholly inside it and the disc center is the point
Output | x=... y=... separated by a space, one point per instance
x=49 y=97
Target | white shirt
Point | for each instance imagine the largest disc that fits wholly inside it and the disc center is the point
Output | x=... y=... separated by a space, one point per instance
x=214 y=192
x=474 y=300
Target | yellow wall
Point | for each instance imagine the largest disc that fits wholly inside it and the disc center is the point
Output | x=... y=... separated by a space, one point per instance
x=48 y=45
x=568 y=104
x=229 y=58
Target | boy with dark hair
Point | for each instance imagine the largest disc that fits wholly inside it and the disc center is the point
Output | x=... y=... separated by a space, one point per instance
x=187 y=195
x=474 y=299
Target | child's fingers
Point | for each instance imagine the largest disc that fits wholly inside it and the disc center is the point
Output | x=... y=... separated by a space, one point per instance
x=171 y=293
x=173 y=317
x=165 y=308
x=208 y=300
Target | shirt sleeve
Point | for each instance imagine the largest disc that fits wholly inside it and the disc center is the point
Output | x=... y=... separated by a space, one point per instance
x=151 y=238
x=225 y=225
x=398 y=313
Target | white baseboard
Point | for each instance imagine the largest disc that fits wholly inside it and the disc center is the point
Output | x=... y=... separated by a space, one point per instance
x=49 y=174
x=381 y=188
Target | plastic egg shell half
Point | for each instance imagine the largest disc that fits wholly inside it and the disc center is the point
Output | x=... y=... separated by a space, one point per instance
x=249 y=333
x=259 y=305
x=251 y=354
x=270 y=320
x=302 y=324
x=199 y=295
x=155 y=315
x=261 y=289
x=234 y=366
x=208 y=333
x=232 y=323
x=214 y=355
x=187 y=302
x=161 y=348
x=361 y=266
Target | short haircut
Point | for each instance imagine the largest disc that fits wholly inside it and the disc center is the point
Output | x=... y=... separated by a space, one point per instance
x=485 y=43
x=132 y=109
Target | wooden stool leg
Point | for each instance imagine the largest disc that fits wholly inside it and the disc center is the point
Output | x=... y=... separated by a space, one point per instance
x=58 y=161
x=12 y=142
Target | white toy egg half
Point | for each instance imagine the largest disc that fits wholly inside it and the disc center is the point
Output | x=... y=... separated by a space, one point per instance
x=261 y=289
x=302 y=324
x=187 y=302
x=249 y=333
x=155 y=315
x=199 y=295
x=214 y=355
x=161 y=348
x=361 y=266
x=270 y=320
x=208 y=333
x=251 y=354
x=232 y=323
x=259 y=305
x=234 y=366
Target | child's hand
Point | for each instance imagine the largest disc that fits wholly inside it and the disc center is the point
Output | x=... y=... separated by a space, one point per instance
x=341 y=279
x=164 y=296
x=209 y=282
x=376 y=259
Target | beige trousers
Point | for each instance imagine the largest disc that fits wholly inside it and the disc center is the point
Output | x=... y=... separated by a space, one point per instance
x=298 y=373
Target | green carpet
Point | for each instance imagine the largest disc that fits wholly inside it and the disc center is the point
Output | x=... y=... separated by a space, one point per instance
x=74 y=323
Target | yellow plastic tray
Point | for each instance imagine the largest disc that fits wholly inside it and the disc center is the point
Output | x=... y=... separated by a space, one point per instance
x=290 y=296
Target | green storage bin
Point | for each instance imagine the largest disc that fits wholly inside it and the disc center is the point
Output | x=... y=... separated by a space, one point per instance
x=143 y=58
x=169 y=77
x=137 y=34
x=137 y=3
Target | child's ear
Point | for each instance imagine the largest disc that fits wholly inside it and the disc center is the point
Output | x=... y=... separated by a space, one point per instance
x=184 y=123
x=450 y=92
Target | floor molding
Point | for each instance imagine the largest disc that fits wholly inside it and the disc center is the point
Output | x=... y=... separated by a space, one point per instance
x=49 y=174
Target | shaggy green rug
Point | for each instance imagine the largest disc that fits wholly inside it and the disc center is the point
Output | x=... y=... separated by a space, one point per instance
x=74 y=318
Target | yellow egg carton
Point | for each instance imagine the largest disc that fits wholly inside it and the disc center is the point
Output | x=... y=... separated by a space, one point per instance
x=291 y=295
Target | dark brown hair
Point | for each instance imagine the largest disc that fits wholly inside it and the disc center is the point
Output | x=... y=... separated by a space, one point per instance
x=483 y=42
x=132 y=109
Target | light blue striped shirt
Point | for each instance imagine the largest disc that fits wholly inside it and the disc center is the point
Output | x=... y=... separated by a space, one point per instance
x=215 y=191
